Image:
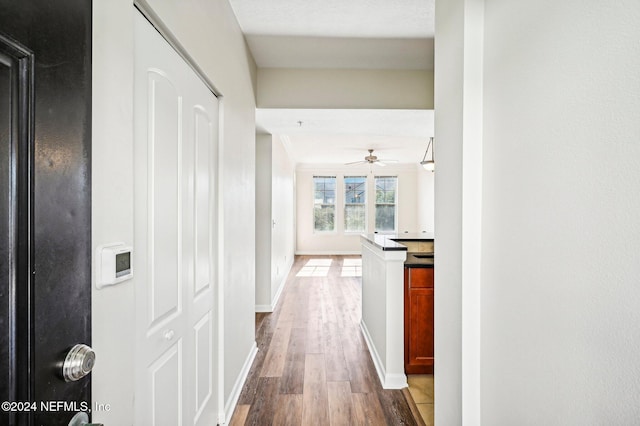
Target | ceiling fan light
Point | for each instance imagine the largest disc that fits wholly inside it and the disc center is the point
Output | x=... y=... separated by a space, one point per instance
x=373 y=159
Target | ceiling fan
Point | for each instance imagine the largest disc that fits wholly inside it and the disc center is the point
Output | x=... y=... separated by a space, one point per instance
x=372 y=159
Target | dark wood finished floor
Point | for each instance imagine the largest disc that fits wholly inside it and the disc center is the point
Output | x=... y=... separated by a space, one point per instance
x=313 y=366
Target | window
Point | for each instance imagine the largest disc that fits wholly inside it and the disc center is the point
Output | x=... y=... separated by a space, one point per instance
x=355 y=208
x=324 y=203
x=386 y=191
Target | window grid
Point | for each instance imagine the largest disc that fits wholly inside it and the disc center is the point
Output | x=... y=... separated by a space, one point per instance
x=386 y=192
x=324 y=203
x=355 y=203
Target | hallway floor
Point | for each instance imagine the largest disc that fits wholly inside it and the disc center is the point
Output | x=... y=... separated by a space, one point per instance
x=313 y=366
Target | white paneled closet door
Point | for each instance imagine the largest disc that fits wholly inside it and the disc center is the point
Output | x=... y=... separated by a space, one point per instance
x=175 y=163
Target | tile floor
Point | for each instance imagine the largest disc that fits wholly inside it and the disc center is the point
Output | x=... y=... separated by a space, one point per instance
x=421 y=389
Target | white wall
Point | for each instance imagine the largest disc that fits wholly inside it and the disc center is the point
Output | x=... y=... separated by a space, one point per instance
x=448 y=105
x=338 y=242
x=275 y=220
x=560 y=235
x=263 y=221
x=113 y=309
x=199 y=26
x=425 y=198
x=283 y=215
x=560 y=267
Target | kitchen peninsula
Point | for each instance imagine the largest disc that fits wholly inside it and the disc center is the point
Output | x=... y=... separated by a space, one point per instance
x=384 y=258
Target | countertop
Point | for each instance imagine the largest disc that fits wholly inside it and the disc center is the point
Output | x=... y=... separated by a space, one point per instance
x=394 y=241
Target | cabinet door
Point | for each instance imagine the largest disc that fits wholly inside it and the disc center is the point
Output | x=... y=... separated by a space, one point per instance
x=420 y=277
x=420 y=356
x=419 y=348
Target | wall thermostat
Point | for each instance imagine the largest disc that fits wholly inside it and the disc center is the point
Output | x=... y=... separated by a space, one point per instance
x=114 y=264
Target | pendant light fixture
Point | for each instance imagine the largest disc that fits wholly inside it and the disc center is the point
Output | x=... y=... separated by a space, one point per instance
x=429 y=164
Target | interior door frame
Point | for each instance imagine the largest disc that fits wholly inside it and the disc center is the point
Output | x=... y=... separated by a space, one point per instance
x=21 y=220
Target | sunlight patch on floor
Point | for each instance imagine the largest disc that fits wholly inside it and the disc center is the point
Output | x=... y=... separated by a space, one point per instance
x=315 y=268
x=351 y=268
x=351 y=271
x=319 y=262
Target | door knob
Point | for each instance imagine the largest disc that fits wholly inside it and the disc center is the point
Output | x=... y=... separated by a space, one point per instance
x=82 y=419
x=78 y=363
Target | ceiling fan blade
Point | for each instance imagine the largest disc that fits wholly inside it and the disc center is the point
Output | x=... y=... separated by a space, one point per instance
x=355 y=162
x=379 y=163
x=387 y=161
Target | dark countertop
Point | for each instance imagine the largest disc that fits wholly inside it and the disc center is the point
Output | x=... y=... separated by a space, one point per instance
x=388 y=242
x=393 y=242
x=413 y=261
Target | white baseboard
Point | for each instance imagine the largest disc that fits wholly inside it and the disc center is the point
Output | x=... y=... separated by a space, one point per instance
x=264 y=308
x=395 y=381
x=377 y=362
x=329 y=253
x=388 y=381
x=232 y=401
x=274 y=302
x=276 y=298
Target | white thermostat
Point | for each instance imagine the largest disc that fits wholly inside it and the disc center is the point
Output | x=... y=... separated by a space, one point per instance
x=114 y=264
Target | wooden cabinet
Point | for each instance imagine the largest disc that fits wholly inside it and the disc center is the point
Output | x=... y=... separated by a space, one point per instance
x=418 y=320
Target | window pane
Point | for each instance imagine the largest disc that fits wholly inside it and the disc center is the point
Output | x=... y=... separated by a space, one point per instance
x=323 y=218
x=355 y=190
x=354 y=218
x=324 y=199
x=355 y=212
x=329 y=197
x=385 y=218
x=386 y=203
x=390 y=196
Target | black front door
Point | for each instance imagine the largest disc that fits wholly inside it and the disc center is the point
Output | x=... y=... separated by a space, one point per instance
x=45 y=207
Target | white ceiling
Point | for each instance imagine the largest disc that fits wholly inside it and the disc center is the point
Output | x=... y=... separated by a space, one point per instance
x=343 y=136
x=357 y=34
x=338 y=33
x=337 y=18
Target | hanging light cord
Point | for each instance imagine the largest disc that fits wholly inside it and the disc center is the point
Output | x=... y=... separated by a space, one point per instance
x=427 y=151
